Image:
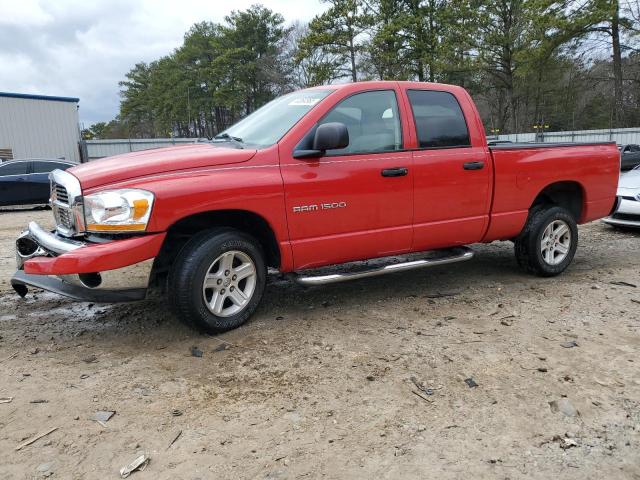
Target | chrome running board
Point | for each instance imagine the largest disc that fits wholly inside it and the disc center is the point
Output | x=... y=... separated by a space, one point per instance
x=454 y=255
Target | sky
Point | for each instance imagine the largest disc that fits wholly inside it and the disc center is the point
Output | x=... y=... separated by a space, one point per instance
x=83 y=48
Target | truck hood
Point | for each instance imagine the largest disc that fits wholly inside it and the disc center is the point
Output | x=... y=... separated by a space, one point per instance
x=151 y=162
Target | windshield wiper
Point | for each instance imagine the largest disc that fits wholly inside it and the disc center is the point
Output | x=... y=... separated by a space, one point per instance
x=225 y=137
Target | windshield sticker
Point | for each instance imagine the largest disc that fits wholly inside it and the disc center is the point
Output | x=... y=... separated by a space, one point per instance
x=305 y=101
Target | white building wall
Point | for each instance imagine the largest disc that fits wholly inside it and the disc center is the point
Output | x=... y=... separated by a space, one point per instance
x=39 y=128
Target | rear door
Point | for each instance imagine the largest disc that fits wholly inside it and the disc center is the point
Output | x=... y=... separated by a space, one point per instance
x=356 y=202
x=13 y=183
x=452 y=171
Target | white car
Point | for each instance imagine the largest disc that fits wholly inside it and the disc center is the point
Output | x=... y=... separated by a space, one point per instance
x=627 y=213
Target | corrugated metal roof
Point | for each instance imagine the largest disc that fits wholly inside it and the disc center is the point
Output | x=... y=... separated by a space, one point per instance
x=39 y=97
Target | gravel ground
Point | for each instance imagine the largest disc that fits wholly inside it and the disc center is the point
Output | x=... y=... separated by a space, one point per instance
x=360 y=380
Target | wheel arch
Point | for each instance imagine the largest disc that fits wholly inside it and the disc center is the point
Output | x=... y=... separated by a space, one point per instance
x=568 y=194
x=244 y=221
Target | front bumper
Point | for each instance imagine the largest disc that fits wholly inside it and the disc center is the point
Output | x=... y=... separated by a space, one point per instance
x=21 y=281
x=113 y=271
x=627 y=213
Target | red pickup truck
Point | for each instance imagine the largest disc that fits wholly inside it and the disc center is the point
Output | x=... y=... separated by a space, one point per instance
x=318 y=177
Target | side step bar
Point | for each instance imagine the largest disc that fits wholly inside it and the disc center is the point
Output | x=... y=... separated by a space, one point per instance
x=454 y=255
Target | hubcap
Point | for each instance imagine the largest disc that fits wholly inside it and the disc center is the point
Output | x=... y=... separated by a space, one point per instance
x=229 y=283
x=556 y=242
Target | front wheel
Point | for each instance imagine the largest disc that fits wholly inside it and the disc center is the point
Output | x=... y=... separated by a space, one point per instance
x=217 y=280
x=548 y=241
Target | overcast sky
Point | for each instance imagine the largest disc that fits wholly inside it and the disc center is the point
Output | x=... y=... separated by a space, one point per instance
x=83 y=48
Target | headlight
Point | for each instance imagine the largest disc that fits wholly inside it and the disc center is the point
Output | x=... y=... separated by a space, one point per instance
x=125 y=210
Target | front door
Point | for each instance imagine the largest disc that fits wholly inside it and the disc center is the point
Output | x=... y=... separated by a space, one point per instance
x=353 y=203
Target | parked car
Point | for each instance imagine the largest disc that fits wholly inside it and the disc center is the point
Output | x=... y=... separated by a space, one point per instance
x=318 y=177
x=627 y=212
x=629 y=156
x=26 y=182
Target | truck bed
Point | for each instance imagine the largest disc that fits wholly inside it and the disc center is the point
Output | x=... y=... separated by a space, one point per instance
x=524 y=171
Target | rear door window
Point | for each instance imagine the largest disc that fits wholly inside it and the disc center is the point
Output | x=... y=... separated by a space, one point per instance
x=17 y=168
x=439 y=120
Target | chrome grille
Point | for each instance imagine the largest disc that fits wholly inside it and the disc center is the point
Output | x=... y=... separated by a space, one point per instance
x=61 y=194
x=65 y=218
x=66 y=203
x=61 y=208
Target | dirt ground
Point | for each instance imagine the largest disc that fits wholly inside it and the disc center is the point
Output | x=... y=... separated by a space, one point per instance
x=319 y=383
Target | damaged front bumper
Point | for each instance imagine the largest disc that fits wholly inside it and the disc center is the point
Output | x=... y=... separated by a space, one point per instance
x=112 y=271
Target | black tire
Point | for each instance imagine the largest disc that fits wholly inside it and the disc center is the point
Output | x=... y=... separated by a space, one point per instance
x=528 y=244
x=188 y=272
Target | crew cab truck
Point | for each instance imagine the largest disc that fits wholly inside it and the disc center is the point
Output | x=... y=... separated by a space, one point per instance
x=318 y=177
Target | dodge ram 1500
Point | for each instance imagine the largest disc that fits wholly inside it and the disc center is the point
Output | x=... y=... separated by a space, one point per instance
x=318 y=177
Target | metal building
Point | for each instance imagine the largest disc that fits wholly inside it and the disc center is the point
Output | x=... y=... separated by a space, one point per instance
x=106 y=148
x=38 y=126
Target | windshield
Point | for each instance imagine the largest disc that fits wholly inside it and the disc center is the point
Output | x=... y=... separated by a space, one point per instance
x=267 y=125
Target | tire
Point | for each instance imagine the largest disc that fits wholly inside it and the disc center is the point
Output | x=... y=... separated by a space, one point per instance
x=548 y=241
x=230 y=261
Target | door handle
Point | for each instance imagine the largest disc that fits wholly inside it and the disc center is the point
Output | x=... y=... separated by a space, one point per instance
x=394 y=172
x=473 y=165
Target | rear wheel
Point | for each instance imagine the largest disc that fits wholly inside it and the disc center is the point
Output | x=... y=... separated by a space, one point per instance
x=217 y=280
x=548 y=241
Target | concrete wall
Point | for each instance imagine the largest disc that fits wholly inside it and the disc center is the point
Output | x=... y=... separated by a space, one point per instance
x=39 y=127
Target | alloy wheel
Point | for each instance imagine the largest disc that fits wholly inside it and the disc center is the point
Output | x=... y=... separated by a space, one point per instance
x=556 y=242
x=229 y=283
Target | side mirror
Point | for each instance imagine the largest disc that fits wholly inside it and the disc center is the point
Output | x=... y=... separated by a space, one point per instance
x=329 y=136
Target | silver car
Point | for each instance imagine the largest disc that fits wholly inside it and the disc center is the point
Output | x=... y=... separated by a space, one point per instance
x=627 y=213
